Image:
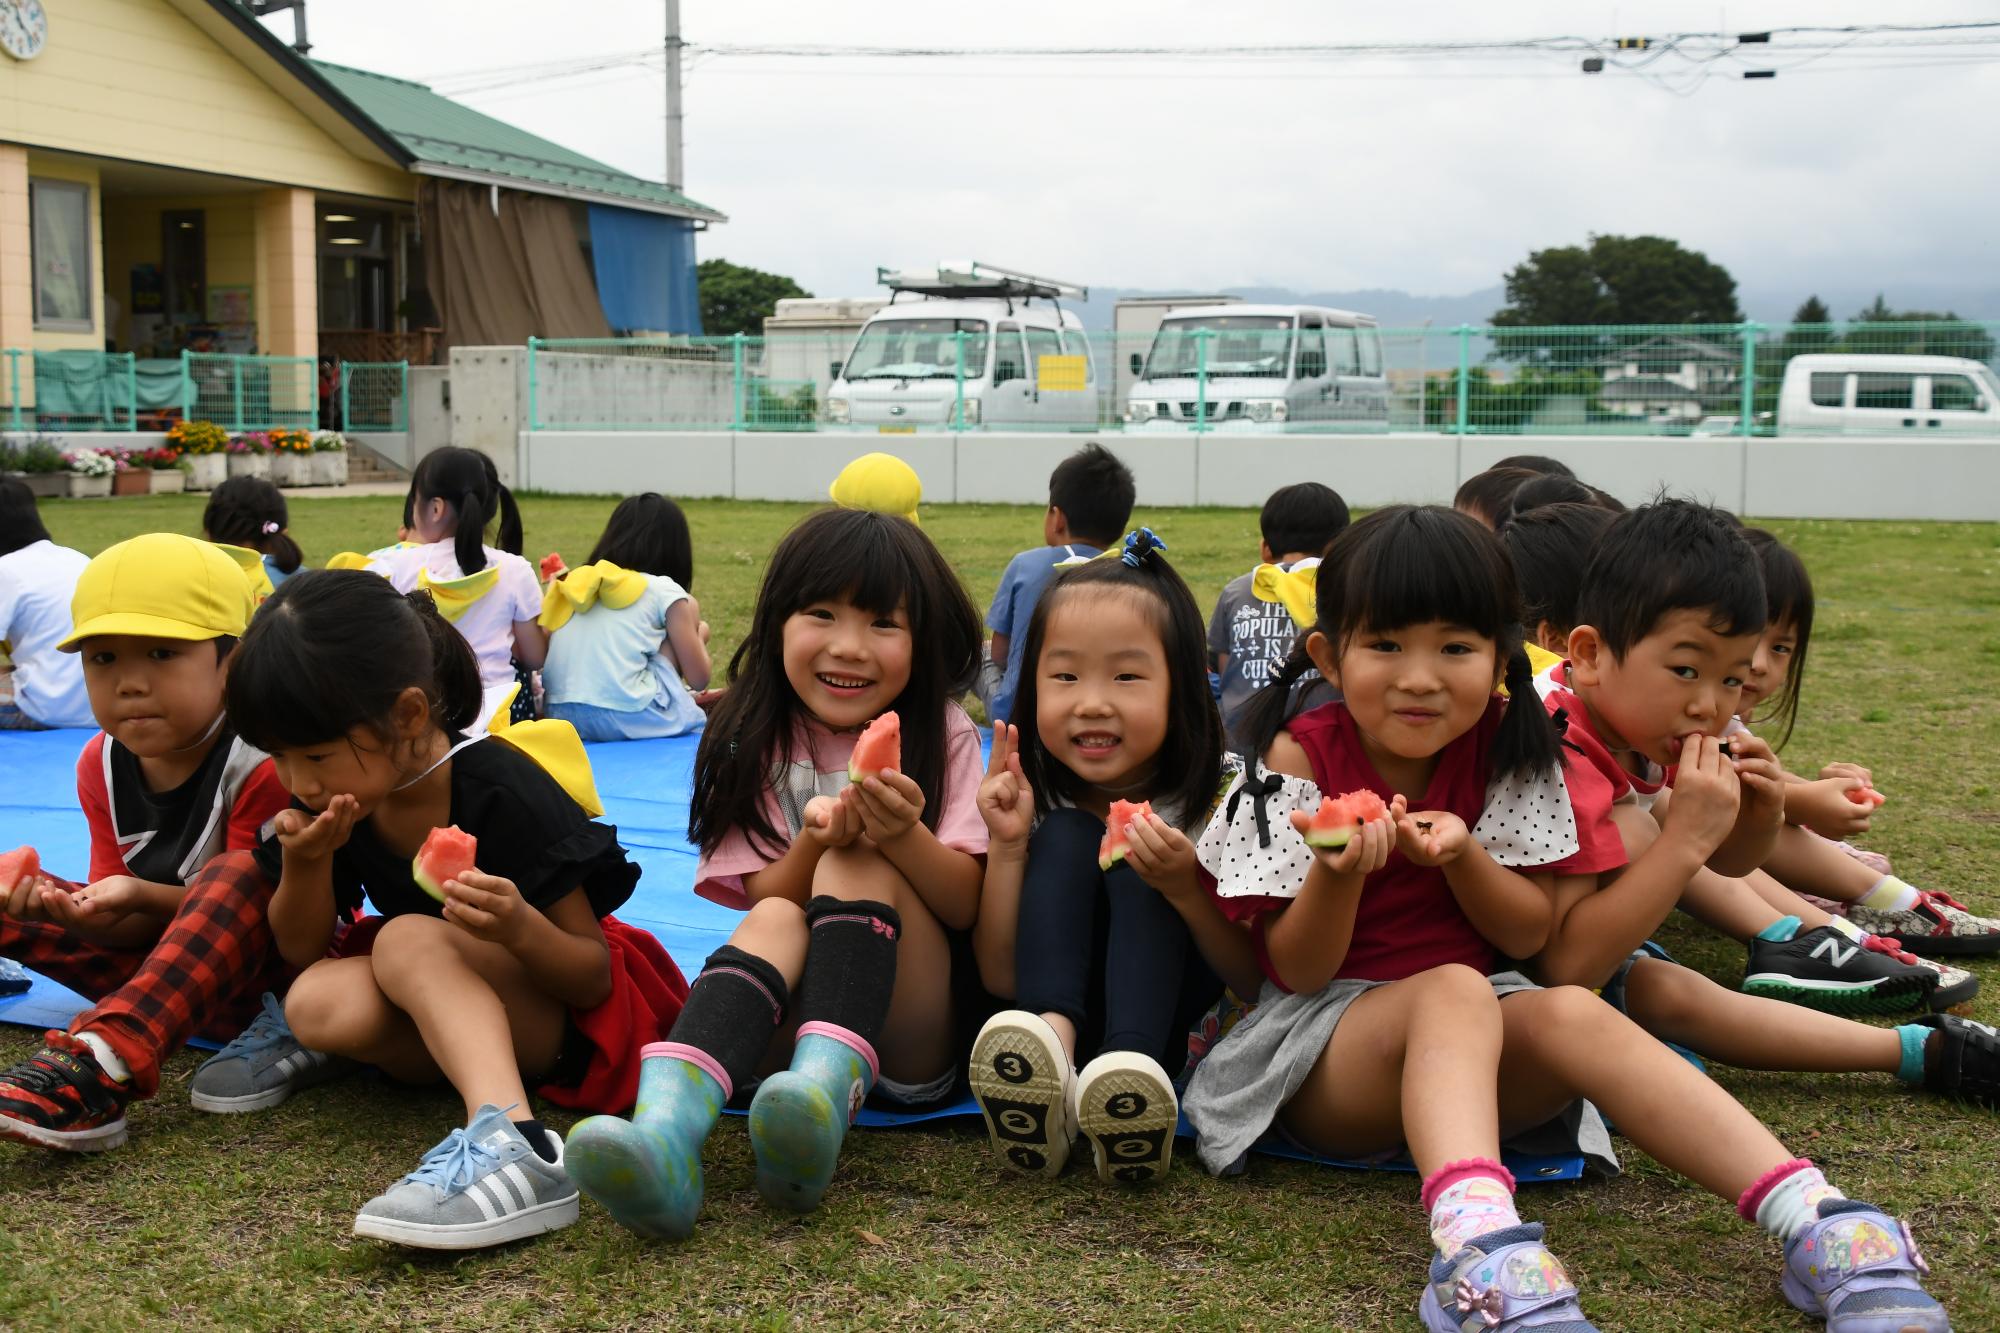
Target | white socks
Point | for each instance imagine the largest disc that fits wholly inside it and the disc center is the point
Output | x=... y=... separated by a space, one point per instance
x=1891 y=895
x=107 y=1058
x=1793 y=1203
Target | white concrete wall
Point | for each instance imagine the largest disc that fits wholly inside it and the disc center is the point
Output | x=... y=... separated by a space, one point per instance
x=1892 y=478
x=488 y=404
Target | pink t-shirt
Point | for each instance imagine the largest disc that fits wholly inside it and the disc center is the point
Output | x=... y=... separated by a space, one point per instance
x=816 y=765
x=488 y=624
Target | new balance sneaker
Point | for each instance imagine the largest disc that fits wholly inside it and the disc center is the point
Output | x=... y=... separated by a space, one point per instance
x=1127 y=1111
x=264 y=1065
x=1824 y=969
x=1859 y=1270
x=1026 y=1090
x=1966 y=1060
x=1936 y=925
x=62 y=1098
x=1506 y=1281
x=484 y=1185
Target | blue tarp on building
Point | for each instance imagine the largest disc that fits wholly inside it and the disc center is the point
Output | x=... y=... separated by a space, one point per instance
x=645 y=270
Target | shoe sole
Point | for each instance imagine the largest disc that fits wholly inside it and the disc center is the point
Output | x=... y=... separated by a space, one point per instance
x=1128 y=1113
x=620 y=1172
x=1017 y=1077
x=1951 y=946
x=102 y=1138
x=793 y=1123
x=538 y=1220
x=1934 y=1320
x=1875 y=997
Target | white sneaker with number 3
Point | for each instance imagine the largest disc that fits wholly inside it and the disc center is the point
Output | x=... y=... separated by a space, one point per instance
x=1127 y=1109
x=1026 y=1089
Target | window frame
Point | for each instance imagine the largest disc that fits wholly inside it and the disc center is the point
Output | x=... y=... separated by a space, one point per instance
x=1813 y=387
x=39 y=186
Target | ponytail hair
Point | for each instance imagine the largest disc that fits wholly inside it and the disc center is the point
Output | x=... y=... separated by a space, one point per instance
x=333 y=650
x=250 y=512
x=469 y=484
x=1410 y=565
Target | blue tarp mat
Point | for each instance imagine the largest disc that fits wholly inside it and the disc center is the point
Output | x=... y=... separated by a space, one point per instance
x=644 y=785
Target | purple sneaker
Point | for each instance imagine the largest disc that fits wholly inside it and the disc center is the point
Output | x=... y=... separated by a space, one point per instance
x=1505 y=1281
x=1858 y=1269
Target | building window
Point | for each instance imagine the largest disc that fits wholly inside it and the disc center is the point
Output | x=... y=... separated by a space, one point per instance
x=59 y=240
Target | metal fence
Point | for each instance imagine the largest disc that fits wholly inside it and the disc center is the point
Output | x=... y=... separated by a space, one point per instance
x=374 y=396
x=116 y=391
x=1256 y=374
x=242 y=393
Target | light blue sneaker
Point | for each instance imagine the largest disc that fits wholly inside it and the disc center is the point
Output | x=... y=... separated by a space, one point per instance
x=482 y=1186
x=646 y=1171
x=264 y=1065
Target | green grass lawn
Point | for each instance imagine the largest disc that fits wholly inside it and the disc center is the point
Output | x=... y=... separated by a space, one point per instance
x=208 y=1221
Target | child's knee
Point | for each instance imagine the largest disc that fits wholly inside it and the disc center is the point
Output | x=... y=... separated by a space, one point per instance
x=1558 y=1013
x=858 y=872
x=1658 y=992
x=410 y=941
x=313 y=1007
x=1453 y=984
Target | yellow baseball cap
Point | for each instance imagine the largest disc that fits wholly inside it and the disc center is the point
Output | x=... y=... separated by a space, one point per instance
x=881 y=482
x=161 y=586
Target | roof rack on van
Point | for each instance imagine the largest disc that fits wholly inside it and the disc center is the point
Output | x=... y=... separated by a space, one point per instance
x=966 y=277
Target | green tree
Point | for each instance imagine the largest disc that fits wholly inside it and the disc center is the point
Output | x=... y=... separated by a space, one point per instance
x=1886 y=331
x=1614 y=280
x=736 y=299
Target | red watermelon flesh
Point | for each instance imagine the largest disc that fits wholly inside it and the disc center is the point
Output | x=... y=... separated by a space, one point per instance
x=552 y=564
x=880 y=747
x=1118 y=831
x=446 y=854
x=1339 y=817
x=17 y=865
x=1858 y=795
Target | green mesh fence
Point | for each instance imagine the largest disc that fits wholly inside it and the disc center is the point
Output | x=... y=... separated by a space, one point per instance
x=375 y=396
x=243 y=393
x=69 y=390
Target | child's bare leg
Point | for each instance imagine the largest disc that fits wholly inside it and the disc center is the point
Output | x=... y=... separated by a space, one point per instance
x=1409 y=1064
x=915 y=1042
x=1783 y=902
x=775 y=930
x=1740 y=908
x=482 y=1018
x=1813 y=865
x=1749 y=1031
x=335 y=1006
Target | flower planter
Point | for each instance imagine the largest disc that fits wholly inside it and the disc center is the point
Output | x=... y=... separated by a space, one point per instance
x=168 y=481
x=249 y=465
x=292 y=469
x=206 y=471
x=132 y=481
x=330 y=468
x=44 y=485
x=81 y=487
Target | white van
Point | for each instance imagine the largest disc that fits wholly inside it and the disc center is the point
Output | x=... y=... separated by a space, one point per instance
x=1025 y=360
x=1854 y=393
x=1268 y=367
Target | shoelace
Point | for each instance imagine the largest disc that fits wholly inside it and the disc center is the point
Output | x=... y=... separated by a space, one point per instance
x=455 y=1163
x=1883 y=944
x=41 y=1075
x=266 y=1030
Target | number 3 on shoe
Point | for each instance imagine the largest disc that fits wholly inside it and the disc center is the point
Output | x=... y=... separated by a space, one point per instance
x=1127 y=1110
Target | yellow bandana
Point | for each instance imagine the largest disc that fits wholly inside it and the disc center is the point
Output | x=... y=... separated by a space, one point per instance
x=252 y=564
x=556 y=749
x=1297 y=588
x=454 y=597
x=347 y=560
x=579 y=589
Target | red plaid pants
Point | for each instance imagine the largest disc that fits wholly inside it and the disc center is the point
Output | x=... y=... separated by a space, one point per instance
x=202 y=977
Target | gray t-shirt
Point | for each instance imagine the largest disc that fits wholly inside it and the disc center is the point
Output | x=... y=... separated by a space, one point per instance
x=1257 y=636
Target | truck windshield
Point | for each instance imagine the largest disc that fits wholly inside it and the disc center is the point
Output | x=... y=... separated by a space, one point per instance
x=917 y=349
x=1259 y=346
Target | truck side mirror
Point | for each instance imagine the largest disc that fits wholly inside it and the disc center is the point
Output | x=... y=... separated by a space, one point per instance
x=1138 y=364
x=833 y=369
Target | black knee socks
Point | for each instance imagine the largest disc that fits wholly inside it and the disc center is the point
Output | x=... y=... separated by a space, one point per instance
x=732 y=1010
x=850 y=964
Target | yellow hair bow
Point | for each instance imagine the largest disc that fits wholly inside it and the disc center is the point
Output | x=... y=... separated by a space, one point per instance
x=252 y=564
x=454 y=597
x=577 y=590
x=554 y=746
x=1297 y=588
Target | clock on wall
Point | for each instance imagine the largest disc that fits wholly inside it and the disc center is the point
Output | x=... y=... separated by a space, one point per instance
x=24 y=28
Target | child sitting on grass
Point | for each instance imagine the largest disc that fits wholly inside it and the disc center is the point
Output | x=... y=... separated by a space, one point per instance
x=249 y=514
x=1249 y=637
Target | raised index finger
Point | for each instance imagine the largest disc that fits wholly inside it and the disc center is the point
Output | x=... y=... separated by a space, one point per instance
x=1003 y=746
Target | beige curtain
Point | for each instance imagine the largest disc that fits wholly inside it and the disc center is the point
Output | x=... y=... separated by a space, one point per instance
x=499 y=277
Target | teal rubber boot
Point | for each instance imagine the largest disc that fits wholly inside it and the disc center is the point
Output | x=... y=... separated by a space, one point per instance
x=800 y=1115
x=646 y=1171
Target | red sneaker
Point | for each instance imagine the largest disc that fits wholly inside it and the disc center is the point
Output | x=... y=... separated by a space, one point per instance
x=62 y=1098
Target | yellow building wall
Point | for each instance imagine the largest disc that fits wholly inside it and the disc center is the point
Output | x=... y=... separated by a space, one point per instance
x=132 y=236
x=135 y=79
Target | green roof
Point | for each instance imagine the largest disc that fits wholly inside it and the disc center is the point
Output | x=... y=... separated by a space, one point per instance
x=453 y=139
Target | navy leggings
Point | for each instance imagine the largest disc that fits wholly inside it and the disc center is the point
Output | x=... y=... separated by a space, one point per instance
x=1104 y=949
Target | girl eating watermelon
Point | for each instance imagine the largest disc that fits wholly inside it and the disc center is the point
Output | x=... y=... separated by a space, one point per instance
x=857 y=886
x=493 y=978
x=1388 y=1021
x=1094 y=916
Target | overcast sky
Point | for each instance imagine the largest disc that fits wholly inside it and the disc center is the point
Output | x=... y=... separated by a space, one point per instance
x=1160 y=174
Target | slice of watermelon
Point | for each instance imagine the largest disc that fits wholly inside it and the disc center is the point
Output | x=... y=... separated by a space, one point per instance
x=1339 y=817
x=880 y=747
x=1118 y=831
x=1858 y=795
x=17 y=865
x=552 y=564
x=446 y=854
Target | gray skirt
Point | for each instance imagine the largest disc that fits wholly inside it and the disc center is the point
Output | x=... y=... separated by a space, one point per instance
x=1241 y=1085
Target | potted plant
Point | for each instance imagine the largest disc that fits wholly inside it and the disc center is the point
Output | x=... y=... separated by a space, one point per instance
x=291 y=457
x=132 y=477
x=167 y=471
x=249 y=455
x=42 y=467
x=201 y=444
x=329 y=459
x=90 y=473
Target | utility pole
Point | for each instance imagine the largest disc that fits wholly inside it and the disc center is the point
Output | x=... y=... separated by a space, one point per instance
x=675 y=172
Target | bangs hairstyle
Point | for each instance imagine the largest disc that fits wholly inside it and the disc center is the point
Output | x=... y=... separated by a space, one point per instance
x=1788 y=597
x=874 y=561
x=333 y=650
x=20 y=522
x=469 y=484
x=1190 y=756
x=1415 y=565
x=1670 y=555
x=648 y=533
x=1549 y=546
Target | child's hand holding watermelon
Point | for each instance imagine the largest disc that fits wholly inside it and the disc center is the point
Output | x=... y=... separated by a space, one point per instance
x=832 y=821
x=1163 y=856
x=1006 y=802
x=552 y=567
x=889 y=804
x=486 y=907
x=1369 y=825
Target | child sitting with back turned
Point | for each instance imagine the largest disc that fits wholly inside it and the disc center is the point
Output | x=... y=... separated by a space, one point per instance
x=1250 y=638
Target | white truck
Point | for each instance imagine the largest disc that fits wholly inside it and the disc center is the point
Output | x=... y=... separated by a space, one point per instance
x=977 y=346
x=1134 y=321
x=1855 y=393
x=1262 y=368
